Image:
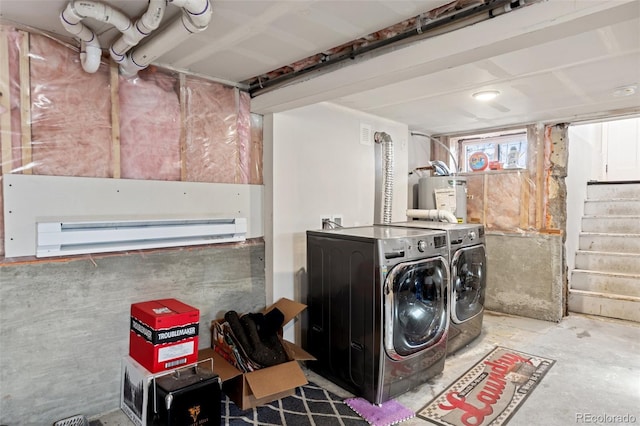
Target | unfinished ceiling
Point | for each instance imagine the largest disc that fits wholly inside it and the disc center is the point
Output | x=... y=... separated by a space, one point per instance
x=553 y=60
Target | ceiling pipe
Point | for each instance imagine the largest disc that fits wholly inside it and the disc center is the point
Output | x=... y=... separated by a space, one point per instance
x=453 y=158
x=90 y=50
x=195 y=18
x=426 y=28
x=147 y=23
x=436 y=215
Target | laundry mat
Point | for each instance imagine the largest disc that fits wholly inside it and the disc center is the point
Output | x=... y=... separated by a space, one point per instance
x=490 y=392
x=388 y=413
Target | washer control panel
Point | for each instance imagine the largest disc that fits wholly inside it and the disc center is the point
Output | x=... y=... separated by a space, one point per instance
x=394 y=250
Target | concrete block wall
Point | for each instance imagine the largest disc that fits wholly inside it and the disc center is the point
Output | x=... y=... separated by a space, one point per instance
x=64 y=325
x=525 y=275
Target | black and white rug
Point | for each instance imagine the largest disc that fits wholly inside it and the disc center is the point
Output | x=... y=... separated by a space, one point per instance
x=311 y=405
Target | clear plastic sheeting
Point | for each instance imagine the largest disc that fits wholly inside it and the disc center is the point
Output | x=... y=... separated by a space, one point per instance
x=217 y=138
x=70 y=113
x=150 y=127
x=59 y=120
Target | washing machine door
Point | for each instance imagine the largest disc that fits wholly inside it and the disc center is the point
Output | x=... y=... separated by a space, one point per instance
x=415 y=306
x=468 y=283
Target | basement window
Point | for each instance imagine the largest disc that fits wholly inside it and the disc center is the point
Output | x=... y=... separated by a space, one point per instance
x=493 y=151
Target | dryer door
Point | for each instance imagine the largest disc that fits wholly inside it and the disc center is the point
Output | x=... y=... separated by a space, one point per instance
x=415 y=306
x=468 y=282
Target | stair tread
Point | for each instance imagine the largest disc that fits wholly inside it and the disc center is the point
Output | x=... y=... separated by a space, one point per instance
x=607 y=253
x=611 y=216
x=606 y=200
x=604 y=295
x=604 y=273
x=609 y=234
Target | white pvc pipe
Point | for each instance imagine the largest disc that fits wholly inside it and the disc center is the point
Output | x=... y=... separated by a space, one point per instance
x=132 y=35
x=195 y=18
x=199 y=11
x=90 y=51
x=432 y=215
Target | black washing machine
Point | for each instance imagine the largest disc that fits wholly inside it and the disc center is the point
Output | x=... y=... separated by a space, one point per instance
x=468 y=277
x=377 y=316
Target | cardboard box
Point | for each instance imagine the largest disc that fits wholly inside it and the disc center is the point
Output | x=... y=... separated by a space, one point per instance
x=250 y=390
x=164 y=334
x=134 y=390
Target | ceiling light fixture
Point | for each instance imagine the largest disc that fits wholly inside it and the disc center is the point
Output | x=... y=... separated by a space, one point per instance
x=485 y=95
x=622 y=91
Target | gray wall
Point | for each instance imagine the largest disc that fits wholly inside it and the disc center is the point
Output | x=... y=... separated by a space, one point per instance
x=64 y=326
x=525 y=275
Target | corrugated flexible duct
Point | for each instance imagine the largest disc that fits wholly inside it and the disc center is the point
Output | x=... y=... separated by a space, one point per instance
x=387 y=174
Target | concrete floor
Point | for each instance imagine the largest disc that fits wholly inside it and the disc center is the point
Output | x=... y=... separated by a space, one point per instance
x=597 y=369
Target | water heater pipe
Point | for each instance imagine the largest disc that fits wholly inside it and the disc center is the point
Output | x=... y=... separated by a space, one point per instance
x=432 y=215
x=453 y=158
x=387 y=174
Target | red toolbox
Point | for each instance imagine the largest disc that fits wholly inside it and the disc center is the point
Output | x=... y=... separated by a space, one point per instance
x=164 y=334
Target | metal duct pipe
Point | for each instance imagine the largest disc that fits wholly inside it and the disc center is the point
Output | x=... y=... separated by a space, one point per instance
x=432 y=215
x=482 y=10
x=453 y=158
x=195 y=18
x=387 y=174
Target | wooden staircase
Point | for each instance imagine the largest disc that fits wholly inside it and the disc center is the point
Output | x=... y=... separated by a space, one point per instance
x=606 y=278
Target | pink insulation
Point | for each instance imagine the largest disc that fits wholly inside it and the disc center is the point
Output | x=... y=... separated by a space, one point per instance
x=500 y=200
x=244 y=138
x=71 y=113
x=256 y=149
x=14 y=39
x=212 y=151
x=150 y=127
x=211 y=137
x=475 y=204
x=504 y=200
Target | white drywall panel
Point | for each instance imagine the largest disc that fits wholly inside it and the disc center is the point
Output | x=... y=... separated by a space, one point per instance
x=31 y=198
x=320 y=167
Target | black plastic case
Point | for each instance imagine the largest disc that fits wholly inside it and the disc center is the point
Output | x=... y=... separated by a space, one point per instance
x=187 y=396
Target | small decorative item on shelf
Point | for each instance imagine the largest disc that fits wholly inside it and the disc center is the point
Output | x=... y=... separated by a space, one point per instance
x=512 y=159
x=495 y=165
x=478 y=161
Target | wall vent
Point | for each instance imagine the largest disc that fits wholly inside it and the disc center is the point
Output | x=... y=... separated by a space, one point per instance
x=366 y=135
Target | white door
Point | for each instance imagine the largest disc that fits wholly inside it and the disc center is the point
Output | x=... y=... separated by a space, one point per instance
x=621 y=149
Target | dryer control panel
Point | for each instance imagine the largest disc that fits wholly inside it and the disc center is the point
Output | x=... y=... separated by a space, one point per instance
x=466 y=237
